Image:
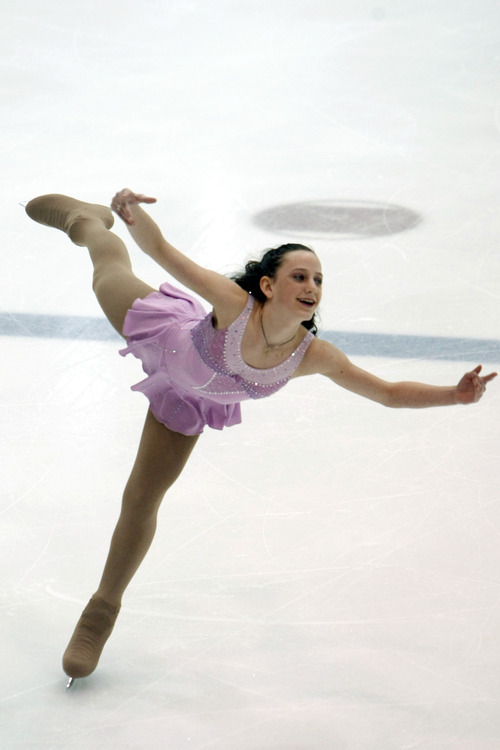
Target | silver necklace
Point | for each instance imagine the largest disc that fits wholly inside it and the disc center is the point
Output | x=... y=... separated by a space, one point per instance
x=270 y=347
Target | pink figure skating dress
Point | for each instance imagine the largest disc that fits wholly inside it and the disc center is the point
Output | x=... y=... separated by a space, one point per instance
x=196 y=375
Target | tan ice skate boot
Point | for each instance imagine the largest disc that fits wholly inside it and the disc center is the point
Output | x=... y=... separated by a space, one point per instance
x=61 y=212
x=87 y=642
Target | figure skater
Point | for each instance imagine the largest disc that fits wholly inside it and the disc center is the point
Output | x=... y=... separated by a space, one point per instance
x=260 y=333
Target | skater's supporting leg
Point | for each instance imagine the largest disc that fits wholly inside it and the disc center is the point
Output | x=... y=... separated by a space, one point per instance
x=161 y=457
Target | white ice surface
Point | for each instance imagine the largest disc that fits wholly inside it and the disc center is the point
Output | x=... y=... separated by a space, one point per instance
x=326 y=575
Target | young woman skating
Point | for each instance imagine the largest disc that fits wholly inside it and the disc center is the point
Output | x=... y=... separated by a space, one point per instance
x=260 y=332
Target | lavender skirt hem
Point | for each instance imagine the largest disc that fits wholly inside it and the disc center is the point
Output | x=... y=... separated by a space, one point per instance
x=158 y=331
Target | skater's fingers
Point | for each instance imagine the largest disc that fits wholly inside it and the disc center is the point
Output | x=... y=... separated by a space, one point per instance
x=140 y=198
x=122 y=210
x=124 y=199
x=129 y=196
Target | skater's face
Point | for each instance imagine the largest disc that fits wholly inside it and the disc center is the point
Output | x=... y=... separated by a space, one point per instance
x=297 y=283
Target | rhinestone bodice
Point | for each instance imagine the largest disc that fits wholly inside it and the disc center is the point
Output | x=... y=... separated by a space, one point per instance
x=220 y=349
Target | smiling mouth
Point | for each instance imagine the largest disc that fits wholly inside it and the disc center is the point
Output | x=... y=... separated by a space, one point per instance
x=308 y=302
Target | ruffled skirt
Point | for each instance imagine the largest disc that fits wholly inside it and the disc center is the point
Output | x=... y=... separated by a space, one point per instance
x=158 y=331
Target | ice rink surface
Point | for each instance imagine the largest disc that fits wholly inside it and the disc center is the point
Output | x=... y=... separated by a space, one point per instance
x=326 y=575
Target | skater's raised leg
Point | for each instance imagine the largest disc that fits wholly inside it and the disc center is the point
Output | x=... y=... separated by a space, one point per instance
x=87 y=224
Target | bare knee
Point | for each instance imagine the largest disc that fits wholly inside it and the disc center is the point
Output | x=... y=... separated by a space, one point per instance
x=160 y=460
x=141 y=500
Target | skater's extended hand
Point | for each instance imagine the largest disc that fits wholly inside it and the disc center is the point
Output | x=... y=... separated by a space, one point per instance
x=124 y=200
x=472 y=386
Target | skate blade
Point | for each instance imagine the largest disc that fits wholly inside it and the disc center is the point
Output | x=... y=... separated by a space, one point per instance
x=70 y=682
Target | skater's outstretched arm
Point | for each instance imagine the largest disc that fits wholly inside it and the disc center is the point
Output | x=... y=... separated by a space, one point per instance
x=327 y=360
x=227 y=298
